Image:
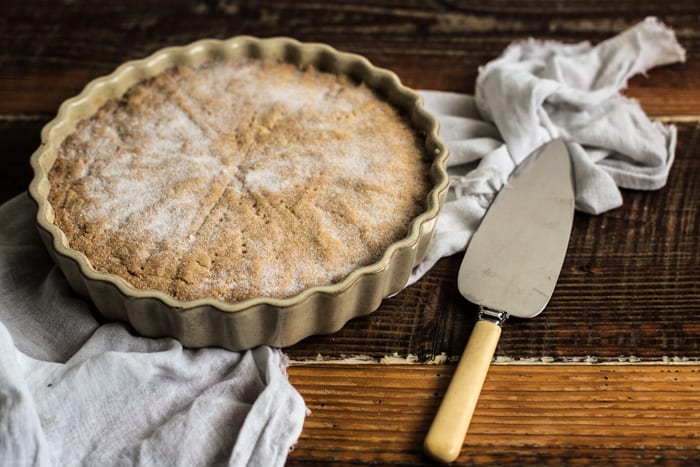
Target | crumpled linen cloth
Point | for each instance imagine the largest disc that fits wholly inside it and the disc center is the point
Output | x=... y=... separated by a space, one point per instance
x=538 y=91
x=74 y=391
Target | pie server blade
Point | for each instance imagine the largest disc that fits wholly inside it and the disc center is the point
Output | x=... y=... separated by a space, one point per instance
x=510 y=268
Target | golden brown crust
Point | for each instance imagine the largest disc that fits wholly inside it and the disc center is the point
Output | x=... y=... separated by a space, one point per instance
x=238 y=179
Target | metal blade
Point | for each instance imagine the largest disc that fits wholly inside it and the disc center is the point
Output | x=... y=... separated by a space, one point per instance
x=513 y=261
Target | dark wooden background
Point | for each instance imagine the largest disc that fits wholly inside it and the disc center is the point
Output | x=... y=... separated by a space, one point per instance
x=629 y=291
x=630 y=283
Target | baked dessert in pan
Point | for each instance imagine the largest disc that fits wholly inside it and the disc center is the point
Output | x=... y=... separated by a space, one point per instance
x=241 y=192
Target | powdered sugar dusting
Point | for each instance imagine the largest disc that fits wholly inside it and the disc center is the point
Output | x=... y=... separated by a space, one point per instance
x=239 y=179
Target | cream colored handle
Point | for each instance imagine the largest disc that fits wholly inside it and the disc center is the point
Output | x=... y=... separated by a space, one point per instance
x=446 y=434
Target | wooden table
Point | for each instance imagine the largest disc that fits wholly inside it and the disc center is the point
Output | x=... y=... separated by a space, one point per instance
x=609 y=374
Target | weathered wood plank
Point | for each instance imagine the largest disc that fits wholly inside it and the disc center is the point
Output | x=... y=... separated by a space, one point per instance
x=437 y=45
x=546 y=414
x=19 y=138
x=629 y=289
x=630 y=286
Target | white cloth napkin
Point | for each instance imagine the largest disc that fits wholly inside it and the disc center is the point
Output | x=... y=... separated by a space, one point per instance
x=538 y=91
x=77 y=392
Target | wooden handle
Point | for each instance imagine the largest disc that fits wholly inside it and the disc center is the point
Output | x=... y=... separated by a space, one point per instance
x=446 y=434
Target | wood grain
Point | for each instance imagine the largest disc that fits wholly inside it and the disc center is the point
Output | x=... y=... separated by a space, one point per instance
x=629 y=292
x=436 y=44
x=629 y=288
x=527 y=414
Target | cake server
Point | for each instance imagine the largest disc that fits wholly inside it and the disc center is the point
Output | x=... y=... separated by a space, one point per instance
x=510 y=268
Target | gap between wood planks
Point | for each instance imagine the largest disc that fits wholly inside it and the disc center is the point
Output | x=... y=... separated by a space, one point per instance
x=444 y=359
x=20 y=117
x=11 y=118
